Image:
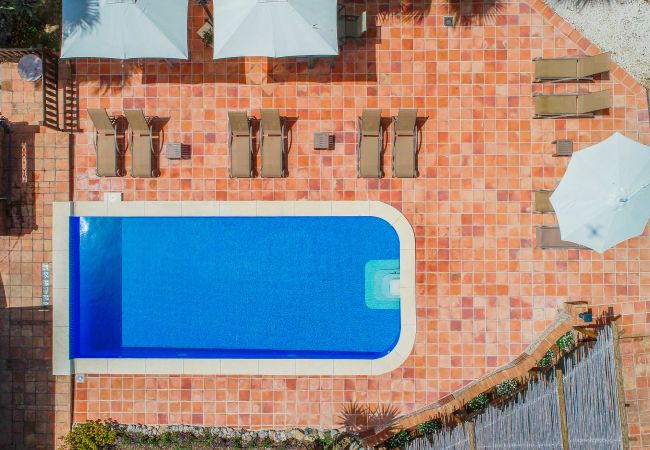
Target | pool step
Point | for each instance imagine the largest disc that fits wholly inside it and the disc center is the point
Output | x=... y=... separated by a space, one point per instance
x=382 y=285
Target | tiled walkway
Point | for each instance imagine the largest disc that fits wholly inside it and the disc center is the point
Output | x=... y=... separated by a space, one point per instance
x=483 y=291
x=30 y=396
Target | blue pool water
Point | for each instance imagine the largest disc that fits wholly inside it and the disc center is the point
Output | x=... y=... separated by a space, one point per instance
x=229 y=287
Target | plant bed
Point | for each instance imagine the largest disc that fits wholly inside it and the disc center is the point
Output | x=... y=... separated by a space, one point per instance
x=110 y=435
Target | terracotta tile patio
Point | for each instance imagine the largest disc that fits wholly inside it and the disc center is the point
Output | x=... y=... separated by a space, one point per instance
x=483 y=291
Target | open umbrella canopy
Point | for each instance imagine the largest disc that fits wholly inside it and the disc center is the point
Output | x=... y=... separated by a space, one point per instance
x=604 y=196
x=124 y=29
x=275 y=28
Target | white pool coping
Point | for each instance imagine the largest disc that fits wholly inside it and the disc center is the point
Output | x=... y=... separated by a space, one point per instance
x=63 y=365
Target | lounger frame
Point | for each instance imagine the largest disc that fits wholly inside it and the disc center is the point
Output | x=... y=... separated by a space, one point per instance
x=577 y=114
x=542 y=192
x=416 y=143
x=149 y=120
x=380 y=148
x=119 y=170
x=250 y=148
x=578 y=77
x=283 y=144
x=559 y=244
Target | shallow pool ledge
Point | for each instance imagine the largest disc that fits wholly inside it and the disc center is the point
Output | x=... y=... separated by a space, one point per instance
x=63 y=365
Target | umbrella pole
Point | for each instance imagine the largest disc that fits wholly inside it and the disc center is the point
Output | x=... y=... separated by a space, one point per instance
x=204 y=4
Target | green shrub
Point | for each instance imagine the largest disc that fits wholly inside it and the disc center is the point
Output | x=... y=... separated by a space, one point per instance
x=208 y=37
x=92 y=435
x=430 y=426
x=399 y=440
x=566 y=341
x=547 y=359
x=507 y=388
x=325 y=442
x=29 y=23
x=478 y=403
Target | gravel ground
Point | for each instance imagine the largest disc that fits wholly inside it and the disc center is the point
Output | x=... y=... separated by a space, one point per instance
x=619 y=26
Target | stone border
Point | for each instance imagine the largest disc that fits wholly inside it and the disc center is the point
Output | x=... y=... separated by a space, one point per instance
x=62 y=365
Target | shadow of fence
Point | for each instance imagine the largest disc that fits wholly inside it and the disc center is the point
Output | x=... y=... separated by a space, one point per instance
x=26 y=382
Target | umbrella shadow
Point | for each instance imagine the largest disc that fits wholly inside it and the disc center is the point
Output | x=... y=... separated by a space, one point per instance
x=80 y=15
x=468 y=13
x=408 y=11
x=360 y=418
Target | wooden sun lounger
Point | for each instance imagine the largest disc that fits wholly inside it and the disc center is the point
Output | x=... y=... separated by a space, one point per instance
x=369 y=144
x=582 y=68
x=405 y=144
x=571 y=105
x=273 y=143
x=141 y=144
x=240 y=145
x=105 y=142
x=4 y=184
x=350 y=26
x=543 y=201
x=550 y=237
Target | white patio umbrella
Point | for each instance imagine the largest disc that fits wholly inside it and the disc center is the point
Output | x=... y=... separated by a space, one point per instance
x=275 y=28
x=124 y=29
x=604 y=196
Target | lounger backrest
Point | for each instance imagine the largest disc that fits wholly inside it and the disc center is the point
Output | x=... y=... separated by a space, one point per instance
x=543 y=201
x=240 y=144
x=272 y=144
x=592 y=65
x=594 y=101
x=546 y=105
x=370 y=144
x=137 y=121
x=239 y=124
x=550 y=237
x=271 y=121
x=370 y=122
x=555 y=68
x=357 y=27
x=101 y=121
x=406 y=120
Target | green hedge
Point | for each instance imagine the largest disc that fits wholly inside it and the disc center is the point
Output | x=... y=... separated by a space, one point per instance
x=30 y=23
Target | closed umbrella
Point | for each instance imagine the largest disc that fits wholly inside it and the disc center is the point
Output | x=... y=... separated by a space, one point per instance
x=124 y=29
x=275 y=28
x=604 y=196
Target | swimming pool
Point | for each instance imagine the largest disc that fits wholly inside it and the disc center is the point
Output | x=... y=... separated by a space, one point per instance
x=263 y=289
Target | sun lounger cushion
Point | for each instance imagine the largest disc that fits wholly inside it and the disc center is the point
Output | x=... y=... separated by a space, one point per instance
x=369 y=149
x=142 y=151
x=108 y=156
x=240 y=145
x=405 y=144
